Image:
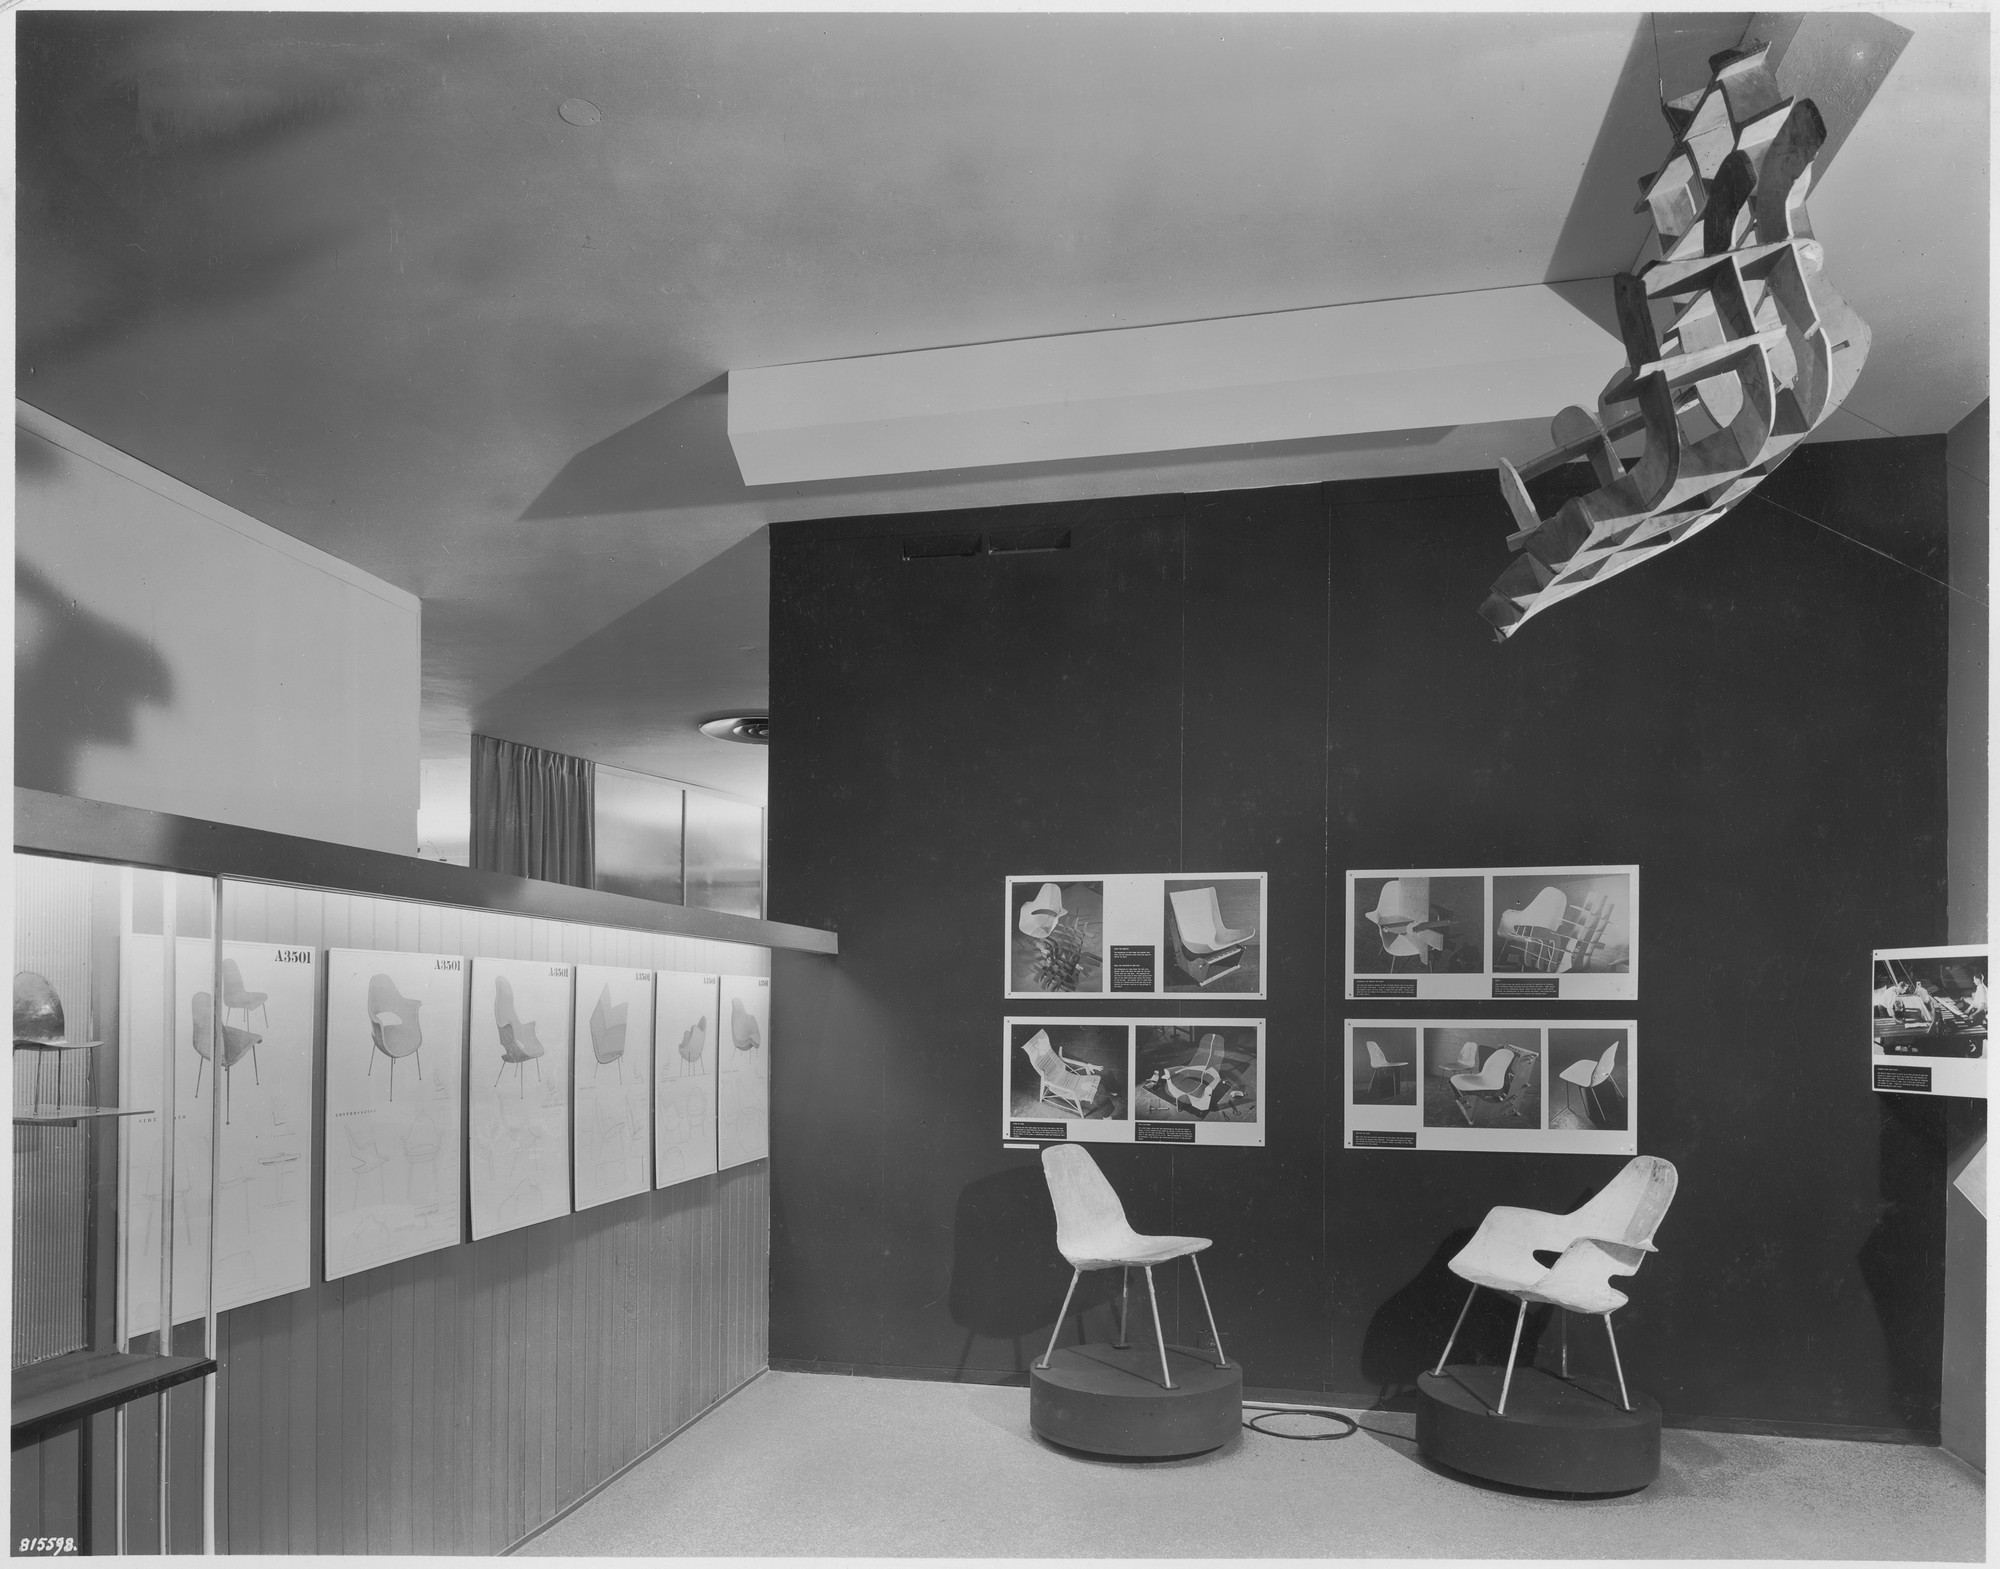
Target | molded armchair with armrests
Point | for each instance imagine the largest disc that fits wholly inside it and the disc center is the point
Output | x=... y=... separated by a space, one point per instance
x=1401 y=916
x=1609 y=1235
x=519 y=1044
x=1587 y=1074
x=1092 y=1233
x=392 y=1020
x=1066 y=1084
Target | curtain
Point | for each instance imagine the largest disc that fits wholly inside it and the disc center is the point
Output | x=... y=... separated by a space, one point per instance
x=533 y=812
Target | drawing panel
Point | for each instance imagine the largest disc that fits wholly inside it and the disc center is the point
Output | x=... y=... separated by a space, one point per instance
x=613 y=1127
x=743 y=1082
x=685 y=1052
x=517 y=1094
x=395 y=1057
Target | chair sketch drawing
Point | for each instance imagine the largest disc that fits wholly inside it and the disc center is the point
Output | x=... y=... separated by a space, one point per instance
x=1092 y=1233
x=694 y=1040
x=236 y=1045
x=1066 y=1084
x=1587 y=1074
x=392 y=1019
x=237 y=999
x=1609 y=1235
x=743 y=1031
x=607 y=1032
x=519 y=1044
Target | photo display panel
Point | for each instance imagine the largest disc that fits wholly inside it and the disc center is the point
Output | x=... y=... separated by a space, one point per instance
x=743 y=1080
x=613 y=1133
x=1132 y=1081
x=685 y=1054
x=517 y=1097
x=1568 y=933
x=395 y=1060
x=1927 y=1024
x=1136 y=935
x=1553 y=1086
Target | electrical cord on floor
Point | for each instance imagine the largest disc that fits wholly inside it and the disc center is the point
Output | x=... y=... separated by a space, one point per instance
x=1267 y=1409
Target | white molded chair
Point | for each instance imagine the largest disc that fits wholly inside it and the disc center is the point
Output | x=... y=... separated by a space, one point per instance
x=1381 y=1065
x=1402 y=904
x=1495 y=1081
x=1092 y=1233
x=1039 y=917
x=1066 y=1084
x=1610 y=1235
x=1199 y=917
x=1587 y=1075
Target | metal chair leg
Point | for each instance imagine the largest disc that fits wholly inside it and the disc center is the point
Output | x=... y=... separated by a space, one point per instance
x=1061 y=1313
x=1562 y=1323
x=1124 y=1309
x=1158 y=1333
x=1507 y=1382
x=1220 y=1359
x=1624 y=1398
x=1455 y=1329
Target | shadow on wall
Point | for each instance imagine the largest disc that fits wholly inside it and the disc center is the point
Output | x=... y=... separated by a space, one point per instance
x=1007 y=1279
x=78 y=681
x=1894 y=1261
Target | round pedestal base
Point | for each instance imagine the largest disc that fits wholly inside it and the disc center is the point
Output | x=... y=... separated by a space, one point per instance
x=1109 y=1400
x=1558 y=1436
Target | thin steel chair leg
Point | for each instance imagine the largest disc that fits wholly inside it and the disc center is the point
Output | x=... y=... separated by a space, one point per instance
x=1507 y=1382
x=1061 y=1313
x=1124 y=1309
x=1624 y=1398
x=1455 y=1329
x=1562 y=1323
x=1158 y=1333
x=1220 y=1359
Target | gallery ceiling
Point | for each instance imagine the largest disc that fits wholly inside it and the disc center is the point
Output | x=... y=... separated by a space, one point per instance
x=358 y=276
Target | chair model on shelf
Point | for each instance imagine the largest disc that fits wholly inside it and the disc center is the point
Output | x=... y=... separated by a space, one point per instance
x=236 y=1045
x=1491 y=1082
x=519 y=1044
x=1067 y=1085
x=1402 y=911
x=1587 y=1075
x=237 y=999
x=1609 y=1235
x=607 y=1032
x=1092 y=1233
x=39 y=1026
x=392 y=1019
x=1379 y=1064
x=743 y=1032
x=694 y=1040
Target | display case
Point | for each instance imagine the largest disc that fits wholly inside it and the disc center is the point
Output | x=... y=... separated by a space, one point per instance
x=111 y=1215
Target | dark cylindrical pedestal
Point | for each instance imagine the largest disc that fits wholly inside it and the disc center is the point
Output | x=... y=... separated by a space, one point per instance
x=1111 y=1401
x=1558 y=1435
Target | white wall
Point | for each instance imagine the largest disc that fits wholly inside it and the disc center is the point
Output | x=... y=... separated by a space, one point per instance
x=173 y=653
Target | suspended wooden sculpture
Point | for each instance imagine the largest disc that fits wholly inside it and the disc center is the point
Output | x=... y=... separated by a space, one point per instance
x=1737 y=347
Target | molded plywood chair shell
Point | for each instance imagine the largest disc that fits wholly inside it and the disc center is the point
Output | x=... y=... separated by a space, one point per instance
x=1199 y=916
x=38 y=1015
x=1543 y=912
x=1587 y=1074
x=1379 y=1063
x=1609 y=1235
x=236 y=998
x=1065 y=1083
x=1490 y=1079
x=1404 y=902
x=1039 y=917
x=744 y=1034
x=1093 y=1233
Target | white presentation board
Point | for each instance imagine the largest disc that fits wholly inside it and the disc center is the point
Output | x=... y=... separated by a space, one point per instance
x=685 y=1051
x=743 y=1082
x=517 y=1093
x=1155 y=934
x=613 y=1031
x=1132 y=1081
x=1927 y=1026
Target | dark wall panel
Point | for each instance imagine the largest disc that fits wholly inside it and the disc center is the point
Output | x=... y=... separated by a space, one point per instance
x=1294 y=680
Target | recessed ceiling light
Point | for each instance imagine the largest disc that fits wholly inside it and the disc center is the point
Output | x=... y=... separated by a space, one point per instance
x=579 y=111
x=751 y=729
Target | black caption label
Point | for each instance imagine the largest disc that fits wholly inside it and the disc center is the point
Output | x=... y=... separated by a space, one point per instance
x=1364 y=1140
x=1918 y=1079
x=1133 y=969
x=1037 y=1130
x=1386 y=988
x=1163 y=1133
x=1528 y=986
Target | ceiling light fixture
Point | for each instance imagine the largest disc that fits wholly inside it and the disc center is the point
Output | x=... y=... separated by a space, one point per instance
x=751 y=729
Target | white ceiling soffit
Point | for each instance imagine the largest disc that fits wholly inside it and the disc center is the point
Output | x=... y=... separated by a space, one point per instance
x=1450 y=359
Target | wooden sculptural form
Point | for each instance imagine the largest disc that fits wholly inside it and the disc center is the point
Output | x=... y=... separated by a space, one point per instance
x=1737 y=348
